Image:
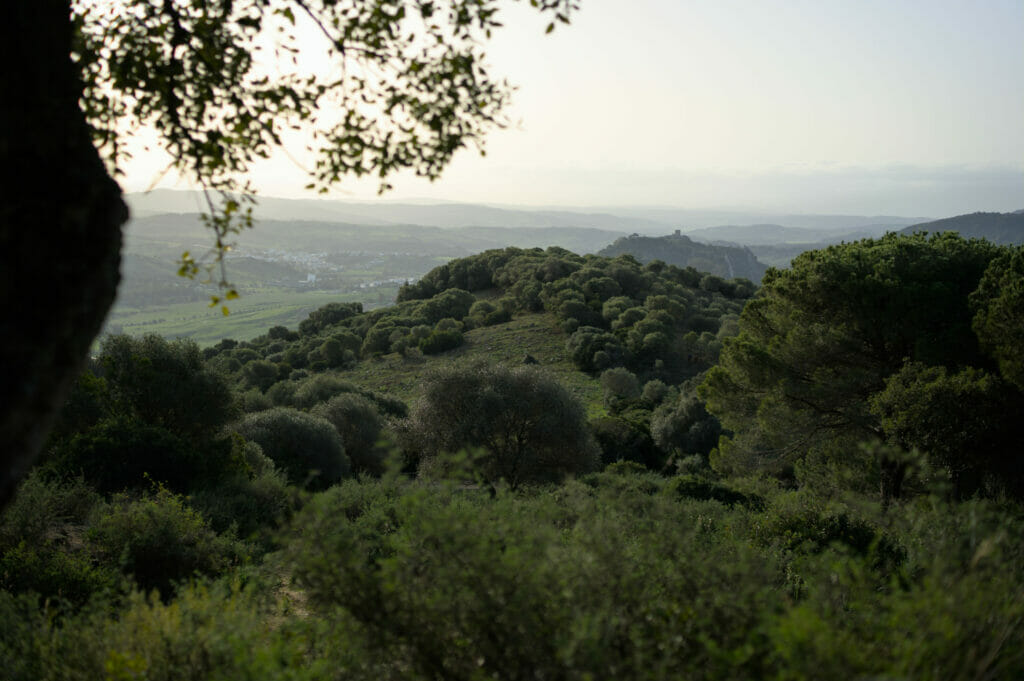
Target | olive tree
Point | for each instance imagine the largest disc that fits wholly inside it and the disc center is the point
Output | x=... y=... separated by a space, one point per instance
x=306 y=447
x=82 y=76
x=531 y=428
x=359 y=424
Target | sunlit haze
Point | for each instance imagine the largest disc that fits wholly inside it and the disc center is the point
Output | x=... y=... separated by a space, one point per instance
x=872 y=107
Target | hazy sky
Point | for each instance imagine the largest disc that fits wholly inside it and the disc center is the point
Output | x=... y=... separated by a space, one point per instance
x=870 y=107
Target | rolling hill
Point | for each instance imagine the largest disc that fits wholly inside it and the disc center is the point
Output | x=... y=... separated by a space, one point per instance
x=999 y=228
x=677 y=249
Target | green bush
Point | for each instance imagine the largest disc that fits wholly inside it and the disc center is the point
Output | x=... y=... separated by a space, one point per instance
x=685 y=428
x=531 y=428
x=42 y=510
x=253 y=400
x=159 y=541
x=357 y=421
x=588 y=342
x=654 y=393
x=622 y=439
x=251 y=507
x=306 y=448
x=40 y=542
x=316 y=389
x=440 y=341
x=620 y=388
x=123 y=454
x=260 y=374
x=799 y=523
x=166 y=384
x=57 y=572
x=209 y=631
x=445 y=583
x=693 y=487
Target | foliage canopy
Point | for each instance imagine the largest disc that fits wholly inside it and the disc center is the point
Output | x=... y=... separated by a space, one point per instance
x=223 y=81
x=824 y=337
x=531 y=427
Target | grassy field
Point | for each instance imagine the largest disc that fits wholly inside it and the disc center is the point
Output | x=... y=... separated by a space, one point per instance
x=250 y=316
x=537 y=335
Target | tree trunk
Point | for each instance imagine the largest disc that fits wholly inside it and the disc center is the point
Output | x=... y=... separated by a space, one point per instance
x=60 y=234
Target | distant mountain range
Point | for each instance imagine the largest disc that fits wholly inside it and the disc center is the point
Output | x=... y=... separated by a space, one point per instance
x=174 y=232
x=443 y=215
x=1000 y=228
x=766 y=235
x=626 y=219
x=453 y=229
x=682 y=251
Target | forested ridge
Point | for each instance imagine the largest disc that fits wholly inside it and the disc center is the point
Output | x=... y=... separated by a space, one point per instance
x=694 y=477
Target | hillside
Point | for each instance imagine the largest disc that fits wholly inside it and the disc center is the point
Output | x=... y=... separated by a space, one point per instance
x=535 y=453
x=537 y=335
x=772 y=234
x=679 y=250
x=172 y=232
x=1000 y=228
x=285 y=268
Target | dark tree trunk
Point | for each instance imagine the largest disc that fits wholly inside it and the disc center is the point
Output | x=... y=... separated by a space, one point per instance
x=60 y=231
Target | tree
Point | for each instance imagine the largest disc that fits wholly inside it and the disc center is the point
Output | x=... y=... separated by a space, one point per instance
x=82 y=76
x=999 y=321
x=965 y=422
x=685 y=428
x=620 y=387
x=307 y=448
x=824 y=335
x=154 y=410
x=359 y=424
x=530 y=426
x=166 y=383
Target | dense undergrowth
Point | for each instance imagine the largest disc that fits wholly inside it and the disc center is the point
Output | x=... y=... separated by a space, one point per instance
x=291 y=507
x=622 y=574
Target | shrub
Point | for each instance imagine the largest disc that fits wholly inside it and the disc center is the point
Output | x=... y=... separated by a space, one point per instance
x=312 y=391
x=654 y=393
x=441 y=341
x=253 y=400
x=623 y=440
x=260 y=374
x=282 y=393
x=56 y=572
x=575 y=584
x=620 y=388
x=378 y=338
x=359 y=425
x=454 y=303
x=159 y=541
x=530 y=426
x=166 y=384
x=329 y=314
x=486 y=313
x=307 y=448
x=123 y=454
x=587 y=341
x=40 y=542
x=42 y=509
x=86 y=405
x=251 y=507
x=693 y=487
x=685 y=427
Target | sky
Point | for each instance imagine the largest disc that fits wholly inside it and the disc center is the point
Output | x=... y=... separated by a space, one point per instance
x=873 y=107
